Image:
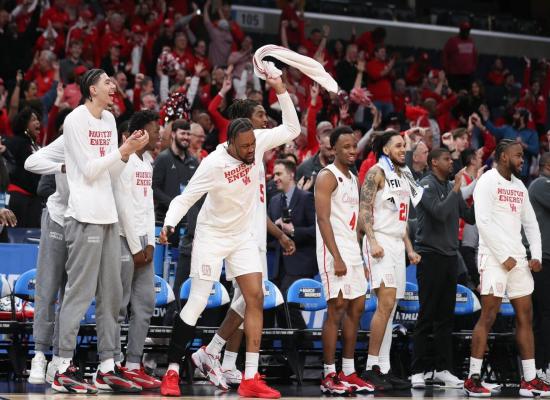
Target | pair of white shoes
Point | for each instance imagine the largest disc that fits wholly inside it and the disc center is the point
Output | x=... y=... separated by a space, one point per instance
x=446 y=380
x=210 y=367
x=42 y=371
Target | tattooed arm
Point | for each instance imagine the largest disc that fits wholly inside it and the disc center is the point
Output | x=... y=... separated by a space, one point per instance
x=374 y=181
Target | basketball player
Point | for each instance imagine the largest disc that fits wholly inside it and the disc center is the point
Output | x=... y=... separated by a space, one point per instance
x=207 y=357
x=229 y=176
x=383 y=214
x=134 y=198
x=502 y=208
x=340 y=263
x=52 y=255
x=91 y=232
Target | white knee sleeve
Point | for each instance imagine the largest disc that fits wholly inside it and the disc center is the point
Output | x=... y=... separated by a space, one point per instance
x=196 y=303
x=238 y=304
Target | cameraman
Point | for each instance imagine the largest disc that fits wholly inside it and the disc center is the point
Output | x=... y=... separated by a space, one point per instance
x=293 y=210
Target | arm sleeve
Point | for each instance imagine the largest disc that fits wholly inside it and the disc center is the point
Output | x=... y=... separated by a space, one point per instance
x=201 y=183
x=311 y=125
x=498 y=133
x=284 y=133
x=438 y=209
x=468 y=190
x=531 y=228
x=219 y=120
x=90 y=168
x=122 y=190
x=47 y=160
x=484 y=200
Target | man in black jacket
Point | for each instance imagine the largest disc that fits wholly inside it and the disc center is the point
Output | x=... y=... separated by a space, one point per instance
x=437 y=242
x=293 y=210
x=173 y=169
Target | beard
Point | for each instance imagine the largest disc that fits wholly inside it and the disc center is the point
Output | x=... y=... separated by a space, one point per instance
x=398 y=163
x=182 y=145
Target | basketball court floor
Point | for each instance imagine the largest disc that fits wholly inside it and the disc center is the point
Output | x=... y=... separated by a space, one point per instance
x=203 y=390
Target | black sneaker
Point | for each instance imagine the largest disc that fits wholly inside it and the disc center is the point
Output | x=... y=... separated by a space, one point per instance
x=397 y=382
x=377 y=378
x=114 y=381
x=71 y=381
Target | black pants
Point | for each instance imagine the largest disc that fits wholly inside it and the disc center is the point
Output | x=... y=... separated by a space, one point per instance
x=183 y=270
x=27 y=209
x=436 y=275
x=469 y=257
x=541 y=308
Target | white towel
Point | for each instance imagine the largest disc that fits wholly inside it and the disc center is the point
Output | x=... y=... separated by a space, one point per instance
x=415 y=190
x=309 y=66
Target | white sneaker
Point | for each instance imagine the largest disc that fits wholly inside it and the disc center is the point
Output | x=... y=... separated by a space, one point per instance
x=417 y=381
x=37 y=375
x=493 y=387
x=50 y=371
x=233 y=377
x=210 y=367
x=543 y=376
x=448 y=379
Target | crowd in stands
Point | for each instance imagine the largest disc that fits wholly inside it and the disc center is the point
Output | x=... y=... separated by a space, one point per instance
x=156 y=49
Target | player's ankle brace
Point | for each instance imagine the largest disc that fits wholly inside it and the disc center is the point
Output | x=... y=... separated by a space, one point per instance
x=182 y=336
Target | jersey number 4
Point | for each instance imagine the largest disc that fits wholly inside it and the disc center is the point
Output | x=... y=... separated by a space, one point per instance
x=403 y=212
x=352 y=222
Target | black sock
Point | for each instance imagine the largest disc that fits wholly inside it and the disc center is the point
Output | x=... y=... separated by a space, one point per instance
x=182 y=336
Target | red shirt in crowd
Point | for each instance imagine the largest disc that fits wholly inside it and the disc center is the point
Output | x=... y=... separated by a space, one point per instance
x=460 y=56
x=43 y=80
x=379 y=86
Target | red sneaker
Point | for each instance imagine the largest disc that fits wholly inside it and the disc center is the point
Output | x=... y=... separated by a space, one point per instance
x=114 y=381
x=256 y=387
x=355 y=383
x=170 y=384
x=474 y=387
x=331 y=384
x=536 y=387
x=139 y=376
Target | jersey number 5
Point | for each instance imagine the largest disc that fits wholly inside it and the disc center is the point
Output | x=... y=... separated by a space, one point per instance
x=262 y=194
x=403 y=212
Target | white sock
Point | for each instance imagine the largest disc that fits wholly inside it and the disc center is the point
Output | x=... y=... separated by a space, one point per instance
x=384 y=363
x=329 y=369
x=251 y=365
x=229 y=360
x=174 y=367
x=63 y=364
x=475 y=366
x=215 y=346
x=529 y=369
x=371 y=361
x=107 y=365
x=39 y=355
x=132 y=366
x=348 y=366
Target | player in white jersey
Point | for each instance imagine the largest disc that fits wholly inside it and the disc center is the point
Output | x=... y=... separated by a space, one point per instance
x=134 y=200
x=502 y=209
x=229 y=176
x=341 y=266
x=383 y=215
x=207 y=357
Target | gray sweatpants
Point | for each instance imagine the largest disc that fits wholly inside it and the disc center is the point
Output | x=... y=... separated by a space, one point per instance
x=93 y=269
x=50 y=279
x=138 y=290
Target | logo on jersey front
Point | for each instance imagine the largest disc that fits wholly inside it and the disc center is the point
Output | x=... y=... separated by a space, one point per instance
x=102 y=139
x=206 y=270
x=145 y=179
x=240 y=172
x=512 y=197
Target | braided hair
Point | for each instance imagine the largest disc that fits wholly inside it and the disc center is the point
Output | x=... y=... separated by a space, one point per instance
x=502 y=146
x=90 y=78
x=380 y=140
x=237 y=126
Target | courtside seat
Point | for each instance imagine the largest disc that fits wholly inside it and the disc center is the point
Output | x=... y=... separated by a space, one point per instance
x=466 y=301
x=506 y=308
x=411 y=274
x=409 y=304
x=163 y=292
x=218 y=296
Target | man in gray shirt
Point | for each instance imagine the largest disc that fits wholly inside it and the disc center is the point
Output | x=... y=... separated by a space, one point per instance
x=539 y=194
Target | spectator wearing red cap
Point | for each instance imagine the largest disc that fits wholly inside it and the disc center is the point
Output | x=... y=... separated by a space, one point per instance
x=379 y=72
x=72 y=60
x=42 y=71
x=221 y=40
x=460 y=58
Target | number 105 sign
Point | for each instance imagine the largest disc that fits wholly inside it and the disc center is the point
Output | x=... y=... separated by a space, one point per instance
x=250 y=20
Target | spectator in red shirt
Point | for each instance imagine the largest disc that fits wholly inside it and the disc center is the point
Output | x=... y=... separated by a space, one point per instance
x=114 y=32
x=497 y=73
x=369 y=40
x=200 y=50
x=182 y=52
x=56 y=15
x=417 y=70
x=294 y=24
x=42 y=71
x=234 y=27
x=460 y=59
x=379 y=72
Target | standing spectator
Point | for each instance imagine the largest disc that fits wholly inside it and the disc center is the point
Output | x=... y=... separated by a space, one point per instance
x=293 y=210
x=346 y=70
x=417 y=159
x=460 y=58
x=73 y=60
x=173 y=169
x=42 y=71
x=114 y=33
x=437 y=242
x=221 y=39
x=369 y=40
x=242 y=58
x=379 y=72
x=539 y=194
x=182 y=52
x=24 y=201
x=309 y=168
x=294 y=25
